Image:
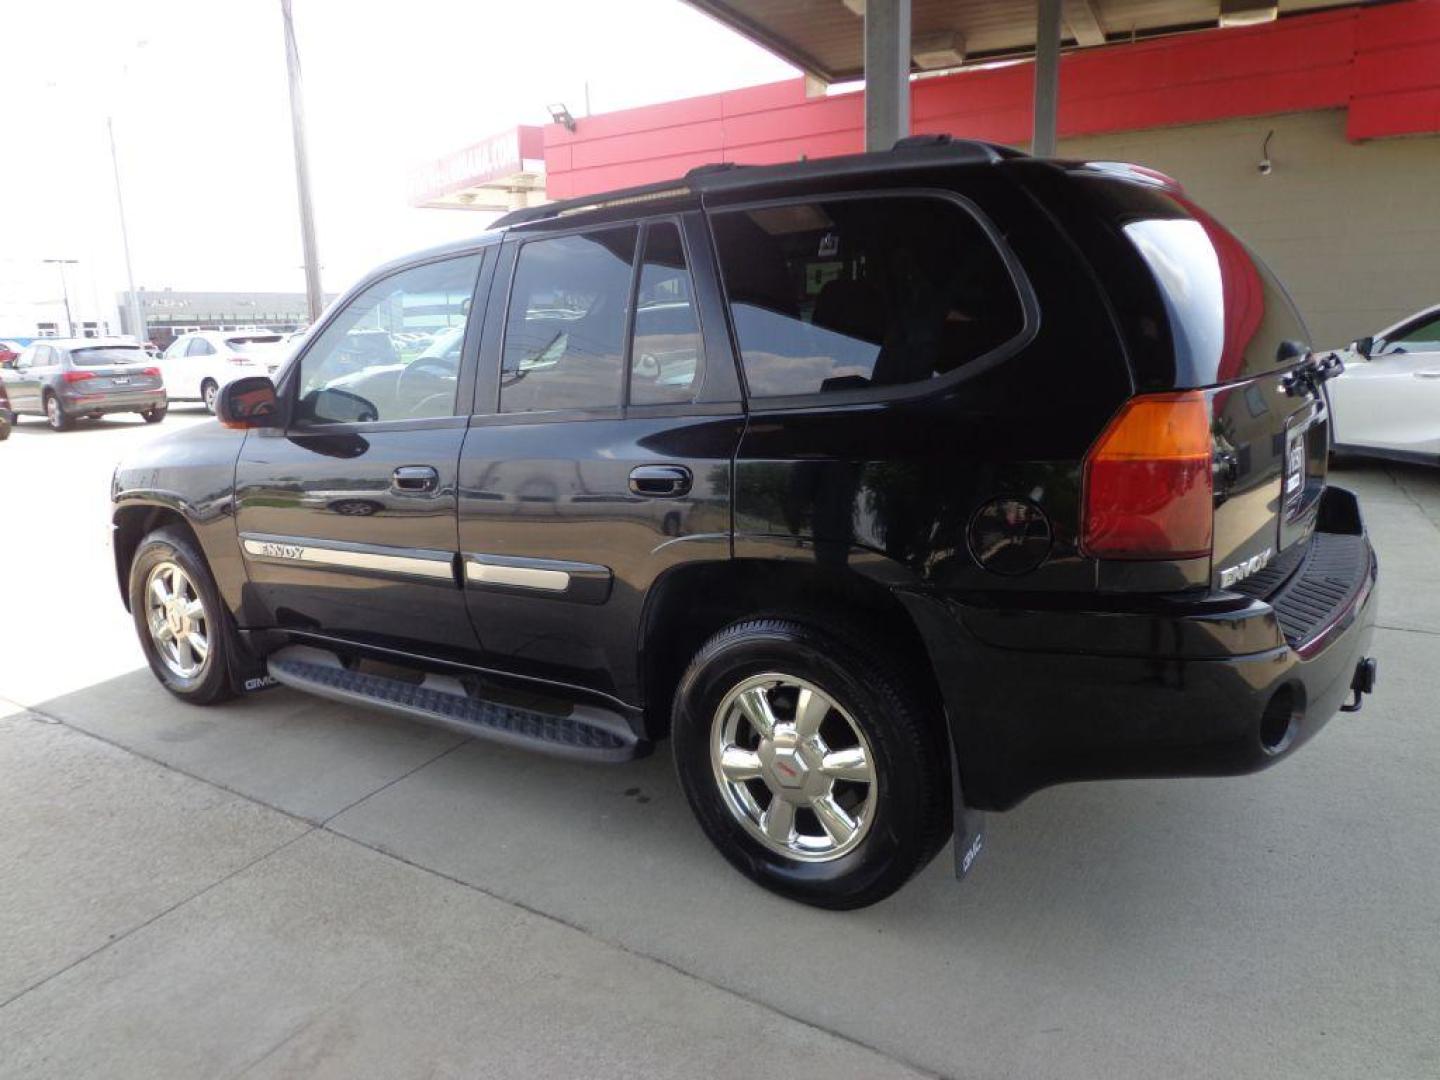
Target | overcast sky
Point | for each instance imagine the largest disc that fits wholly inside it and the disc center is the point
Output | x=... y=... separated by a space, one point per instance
x=198 y=96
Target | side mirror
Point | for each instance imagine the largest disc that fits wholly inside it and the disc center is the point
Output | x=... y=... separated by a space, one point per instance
x=1364 y=346
x=248 y=403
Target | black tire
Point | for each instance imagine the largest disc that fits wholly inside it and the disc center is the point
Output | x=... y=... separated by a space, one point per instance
x=209 y=392
x=211 y=683
x=55 y=413
x=911 y=817
x=155 y=414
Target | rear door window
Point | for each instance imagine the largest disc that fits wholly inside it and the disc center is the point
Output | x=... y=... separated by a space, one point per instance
x=862 y=294
x=200 y=347
x=666 y=352
x=565 y=327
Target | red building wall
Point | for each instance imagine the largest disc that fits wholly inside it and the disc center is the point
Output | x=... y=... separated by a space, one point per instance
x=1382 y=64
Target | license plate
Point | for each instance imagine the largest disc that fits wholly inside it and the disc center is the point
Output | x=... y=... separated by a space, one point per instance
x=1295 y=456
x=121 y=380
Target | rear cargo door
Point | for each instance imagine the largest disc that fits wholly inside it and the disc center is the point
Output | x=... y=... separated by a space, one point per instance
x=1235 y=334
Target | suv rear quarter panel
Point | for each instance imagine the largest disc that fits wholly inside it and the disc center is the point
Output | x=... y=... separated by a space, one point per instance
x=901 y=478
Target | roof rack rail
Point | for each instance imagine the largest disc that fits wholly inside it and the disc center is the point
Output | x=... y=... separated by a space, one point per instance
x=712 y=167
x=915 y=151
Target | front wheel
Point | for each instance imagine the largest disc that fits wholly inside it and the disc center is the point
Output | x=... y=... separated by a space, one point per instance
x=814 y=764
x=181 y=621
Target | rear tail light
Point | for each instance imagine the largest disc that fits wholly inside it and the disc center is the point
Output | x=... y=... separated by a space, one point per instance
x=1148 y=487
x=77 y=376
x=244 y=361
x=153 y=372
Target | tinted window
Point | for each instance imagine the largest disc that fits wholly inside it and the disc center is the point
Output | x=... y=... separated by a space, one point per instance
x=200 y=347
x=665 y=354
x=565 y=329
x=859 y=293
x=1421 y=337
x=393 y=352
x=106 y=355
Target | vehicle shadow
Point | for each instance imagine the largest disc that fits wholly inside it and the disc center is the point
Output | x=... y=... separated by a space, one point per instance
x=1147 y=899
x=525 y=826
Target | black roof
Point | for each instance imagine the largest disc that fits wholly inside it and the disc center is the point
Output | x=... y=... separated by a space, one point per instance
x=918 y=151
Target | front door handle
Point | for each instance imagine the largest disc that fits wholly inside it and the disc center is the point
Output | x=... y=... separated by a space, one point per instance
x=660 y=481
x=1427 y=374
x=415 y=478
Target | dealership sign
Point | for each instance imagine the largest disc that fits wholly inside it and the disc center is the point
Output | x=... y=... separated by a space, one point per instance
x=484 y=175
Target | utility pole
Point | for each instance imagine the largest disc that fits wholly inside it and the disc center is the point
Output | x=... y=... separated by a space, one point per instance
x=137 y=310
x=65 y=291
x=314 y=298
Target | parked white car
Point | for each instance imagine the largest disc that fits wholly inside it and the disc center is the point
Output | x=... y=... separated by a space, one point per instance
x=198 y=364
x=1387 y=401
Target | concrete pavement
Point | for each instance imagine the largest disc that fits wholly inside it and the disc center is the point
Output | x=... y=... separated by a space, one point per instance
x=284 y=886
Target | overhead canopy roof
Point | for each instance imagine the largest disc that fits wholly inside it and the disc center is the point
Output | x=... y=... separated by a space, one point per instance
x=825 y=37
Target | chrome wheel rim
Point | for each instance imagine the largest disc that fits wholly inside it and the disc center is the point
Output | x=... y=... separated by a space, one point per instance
x=52 y=411
x=794 y=768
x=211 y=393
x=179 y=626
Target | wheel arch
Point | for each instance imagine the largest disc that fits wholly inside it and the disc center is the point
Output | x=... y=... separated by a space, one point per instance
x=132 y=522
x=691 y=603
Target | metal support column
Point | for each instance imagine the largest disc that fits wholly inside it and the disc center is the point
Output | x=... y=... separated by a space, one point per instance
x=887 y=72
x=314 y=298
x=135 y=309
x=1047 y=77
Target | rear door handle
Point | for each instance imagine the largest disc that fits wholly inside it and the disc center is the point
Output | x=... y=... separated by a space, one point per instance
x=415 y=478
x=1427 y=374
x=660 y=481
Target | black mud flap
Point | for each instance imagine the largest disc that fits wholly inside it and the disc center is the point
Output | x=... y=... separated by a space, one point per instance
x=969 y=823
x=247 y=671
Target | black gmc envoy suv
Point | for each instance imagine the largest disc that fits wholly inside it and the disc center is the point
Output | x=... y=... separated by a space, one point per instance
x=891 y=488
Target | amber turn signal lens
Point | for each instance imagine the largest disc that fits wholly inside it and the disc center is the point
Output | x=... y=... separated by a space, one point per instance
x=1148 y=487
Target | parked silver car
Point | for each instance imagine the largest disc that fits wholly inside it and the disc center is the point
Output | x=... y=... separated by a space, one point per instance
x=65 y=378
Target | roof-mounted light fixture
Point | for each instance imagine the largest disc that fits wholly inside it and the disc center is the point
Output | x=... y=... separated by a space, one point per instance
x=1248 y=12
x=941 y=49
x=561 y=115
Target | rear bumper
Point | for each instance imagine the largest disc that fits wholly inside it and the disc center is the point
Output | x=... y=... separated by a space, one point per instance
x=1223 y=686
x=112 y=402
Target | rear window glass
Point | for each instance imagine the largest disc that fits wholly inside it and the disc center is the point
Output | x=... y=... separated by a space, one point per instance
x=863 y=293
x=102 y=356
x=254 y=339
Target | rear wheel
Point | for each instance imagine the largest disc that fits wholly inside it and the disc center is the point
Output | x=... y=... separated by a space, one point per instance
x=209 y=392
x=54 y=414
x=182 y=623
x=813 y=764
x=155 y=414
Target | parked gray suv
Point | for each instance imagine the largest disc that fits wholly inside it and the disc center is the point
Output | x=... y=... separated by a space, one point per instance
x=65 y=378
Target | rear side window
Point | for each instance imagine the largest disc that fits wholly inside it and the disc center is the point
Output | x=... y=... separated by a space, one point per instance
x=565 y=328
x=200 y=347
x=862 y=293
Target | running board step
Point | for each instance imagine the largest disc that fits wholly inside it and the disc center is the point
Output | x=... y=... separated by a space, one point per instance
x=588 y=733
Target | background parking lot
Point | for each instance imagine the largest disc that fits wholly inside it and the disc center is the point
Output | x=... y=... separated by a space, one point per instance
x=286 y=885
